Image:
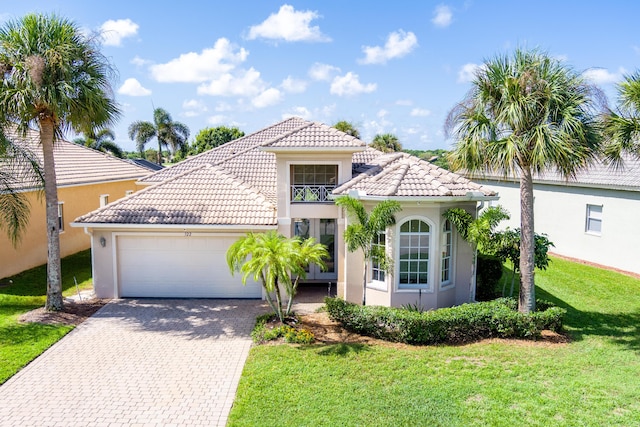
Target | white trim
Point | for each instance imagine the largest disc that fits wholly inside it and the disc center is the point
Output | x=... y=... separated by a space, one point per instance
x=588 y=217
x=431 y=273
x=378 y=285
x=302 y=150
x=230 y=227
x=104 y=200
x=444 y=286
x=418 y=199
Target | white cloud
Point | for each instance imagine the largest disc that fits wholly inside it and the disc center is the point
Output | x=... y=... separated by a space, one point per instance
x=349 y=84
x=442 y=16
x=289 y=25
x=382 y=113
x=404 y=102
x=267 y=98
x=398 y=44
x=199 y=67
x=243 y=83
x=139 y=62
x=602 y=76
x=132 y=87
x=217 y=119
x=222 y=107
x=323 y=72
x=420 y=112
x=468 y=72
x=302 y=112
x=112 y=32
x=194 y=107
x=292 y=85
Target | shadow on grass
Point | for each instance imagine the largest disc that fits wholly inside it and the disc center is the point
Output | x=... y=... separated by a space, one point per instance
x=342 y=349
x=33 y=282
x=619 y=328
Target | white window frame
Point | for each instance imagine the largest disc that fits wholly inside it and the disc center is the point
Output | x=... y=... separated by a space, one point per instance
x=593 y=215
x=104 y=200
x=128 y=192
x=60 y=217
x=380 y=285
x=447 y=254
x=405 y=287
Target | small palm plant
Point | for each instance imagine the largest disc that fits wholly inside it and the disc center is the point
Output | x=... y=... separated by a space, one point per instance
x=273 y=259
x=362 y=234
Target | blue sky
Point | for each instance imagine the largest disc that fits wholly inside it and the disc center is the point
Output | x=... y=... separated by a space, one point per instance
x=395 y=67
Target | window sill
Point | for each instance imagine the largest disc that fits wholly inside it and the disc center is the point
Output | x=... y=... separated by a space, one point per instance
x=592 y=233
x=447 y=286
x=377 y=286
x=428 y=290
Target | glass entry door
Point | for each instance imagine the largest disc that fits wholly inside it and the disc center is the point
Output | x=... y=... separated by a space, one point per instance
x=324 y=231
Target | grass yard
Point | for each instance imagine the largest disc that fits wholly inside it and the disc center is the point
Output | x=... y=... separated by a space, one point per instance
x=593 y=381
x=21 y=343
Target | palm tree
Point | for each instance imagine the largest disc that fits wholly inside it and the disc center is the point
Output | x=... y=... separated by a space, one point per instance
x=306 y=252
x=478 y=232
x=348 y=128
x=623 y=127
x=170 y=134
x=273 y=259
x=386 y=142
x=54 y=78
x=103 y=141
x=526 y=114
x=17 y=165
x=362 y=234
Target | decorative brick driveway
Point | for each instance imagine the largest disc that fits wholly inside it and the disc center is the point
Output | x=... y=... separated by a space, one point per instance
x=138 y=362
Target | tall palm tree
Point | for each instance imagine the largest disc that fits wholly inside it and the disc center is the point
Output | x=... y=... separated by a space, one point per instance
x=622 y=127
x=364 y=231
x=386 y=142
x=103 y=140
x=523 y=115
x=169 y=134
x=55 y=78
x=273 y=259
x=17 y=165
x=348 y=128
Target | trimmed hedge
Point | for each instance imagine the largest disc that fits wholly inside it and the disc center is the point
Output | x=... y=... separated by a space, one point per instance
x=464 y=323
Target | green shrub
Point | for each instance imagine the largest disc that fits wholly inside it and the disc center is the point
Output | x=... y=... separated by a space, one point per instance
x=487 y=277
x=463 y=323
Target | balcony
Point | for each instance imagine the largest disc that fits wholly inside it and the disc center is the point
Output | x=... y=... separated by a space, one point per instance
x=311 y=193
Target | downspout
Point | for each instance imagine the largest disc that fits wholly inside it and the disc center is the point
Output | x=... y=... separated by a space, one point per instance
x=472 y=284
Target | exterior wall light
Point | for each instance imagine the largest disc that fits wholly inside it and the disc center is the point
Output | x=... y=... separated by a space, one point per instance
x=103 y=241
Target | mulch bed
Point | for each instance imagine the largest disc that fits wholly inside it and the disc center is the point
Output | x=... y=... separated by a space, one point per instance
x=74 y=313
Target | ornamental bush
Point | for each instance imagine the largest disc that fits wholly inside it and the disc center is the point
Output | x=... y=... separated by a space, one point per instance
x=464 y=323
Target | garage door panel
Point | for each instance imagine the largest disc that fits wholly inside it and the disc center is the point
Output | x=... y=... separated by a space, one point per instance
x=179 y=267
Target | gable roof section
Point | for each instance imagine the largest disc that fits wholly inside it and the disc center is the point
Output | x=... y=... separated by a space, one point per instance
x=598 y=175
x=403 y=175
x=206 y=195
x=315 y=135
x=76 y=164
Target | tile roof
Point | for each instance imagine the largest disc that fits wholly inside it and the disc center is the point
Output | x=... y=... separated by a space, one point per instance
x=403 y=175
x=235 y=183
x=600 y=175
x=206 y=195
x=76 y=164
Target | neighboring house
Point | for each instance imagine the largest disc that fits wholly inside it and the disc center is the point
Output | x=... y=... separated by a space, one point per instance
x=87 y=179
x=594 y=218
x=171 y=239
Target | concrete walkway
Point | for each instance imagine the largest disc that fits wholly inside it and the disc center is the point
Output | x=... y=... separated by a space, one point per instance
x=138 y=362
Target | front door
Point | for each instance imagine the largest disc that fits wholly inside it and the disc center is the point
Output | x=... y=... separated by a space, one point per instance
x=324 y=231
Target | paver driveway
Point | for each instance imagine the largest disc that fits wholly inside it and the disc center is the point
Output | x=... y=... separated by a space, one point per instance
x=138 y=362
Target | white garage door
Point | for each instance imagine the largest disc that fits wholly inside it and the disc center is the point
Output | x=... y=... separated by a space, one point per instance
x=179 y=267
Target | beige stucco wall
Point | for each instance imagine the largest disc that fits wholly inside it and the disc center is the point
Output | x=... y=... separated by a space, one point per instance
x=560 y=212
x=388 y=293
x=77 y=201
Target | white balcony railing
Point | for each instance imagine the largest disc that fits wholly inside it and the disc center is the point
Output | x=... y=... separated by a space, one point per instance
x=311 y=193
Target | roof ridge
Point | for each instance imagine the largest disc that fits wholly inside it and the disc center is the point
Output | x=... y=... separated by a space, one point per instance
x=288 y=133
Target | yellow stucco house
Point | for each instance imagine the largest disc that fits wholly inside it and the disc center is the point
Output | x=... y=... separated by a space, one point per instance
x=87 y=179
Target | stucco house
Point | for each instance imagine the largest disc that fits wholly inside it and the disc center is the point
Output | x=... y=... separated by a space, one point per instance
x=87 y=179
x=170 y=239
x=594 y=217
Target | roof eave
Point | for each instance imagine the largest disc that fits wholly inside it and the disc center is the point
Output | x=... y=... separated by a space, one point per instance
x=235 y=227
x=471 y=196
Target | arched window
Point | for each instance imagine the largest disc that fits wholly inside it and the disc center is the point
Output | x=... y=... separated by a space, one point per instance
x=413 y=262
x=447 y=250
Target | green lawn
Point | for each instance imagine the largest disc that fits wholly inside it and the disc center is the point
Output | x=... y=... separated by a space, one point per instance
x=593 y=381
x=21 y=343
